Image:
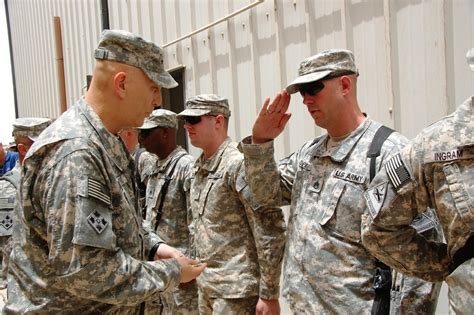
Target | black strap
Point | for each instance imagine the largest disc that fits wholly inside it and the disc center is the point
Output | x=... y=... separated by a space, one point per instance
x=463 y=254
x=164 y=189
x=383 y=277
x=141 y=187
x=377 y=142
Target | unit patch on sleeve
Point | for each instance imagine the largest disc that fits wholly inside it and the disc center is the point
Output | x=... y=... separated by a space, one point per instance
x=375 y=197
x=97 y=221
x=6 y=220
x=397 y=171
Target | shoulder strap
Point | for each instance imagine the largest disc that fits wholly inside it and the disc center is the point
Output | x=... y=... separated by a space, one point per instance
x=374 y=151
x=164 y=189
x=141 y=187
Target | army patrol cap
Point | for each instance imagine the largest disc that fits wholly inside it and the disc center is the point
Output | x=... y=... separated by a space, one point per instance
x=30 y=127
x=161 y=118
x=130 y=49
x=321 y=65
x=204 y=104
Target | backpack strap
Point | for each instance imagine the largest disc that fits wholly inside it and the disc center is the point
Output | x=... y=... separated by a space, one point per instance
x=164 y=189
x=141 y=187
x=374 y=151
x=382 y=278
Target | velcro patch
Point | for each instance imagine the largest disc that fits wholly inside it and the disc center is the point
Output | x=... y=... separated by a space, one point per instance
x=97 y=221
x=375 y=197
x=424 y=223
x=96 y=190
x=7 y=203
x=397 y=171
x=351 y=177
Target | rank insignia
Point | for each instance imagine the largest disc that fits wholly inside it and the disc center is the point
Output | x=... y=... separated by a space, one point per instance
x=97 y=221
x=397 y=172
x=375 y=197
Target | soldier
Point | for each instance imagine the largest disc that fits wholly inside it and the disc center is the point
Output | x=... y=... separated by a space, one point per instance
x=241 y=242
x=326 y=269
x=25 y=132
x=81 y=247
x=435 y=170
x=166 y=203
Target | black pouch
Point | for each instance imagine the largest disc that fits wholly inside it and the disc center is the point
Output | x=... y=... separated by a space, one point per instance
x=382 y=285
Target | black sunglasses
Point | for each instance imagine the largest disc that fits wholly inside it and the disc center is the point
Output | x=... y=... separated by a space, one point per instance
x=193 y=120
x=313 y=88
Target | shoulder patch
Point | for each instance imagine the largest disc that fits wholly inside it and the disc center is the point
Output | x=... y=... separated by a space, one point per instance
x=397 y=171
x=6 y=220
x=375 y=197
x=97 y=221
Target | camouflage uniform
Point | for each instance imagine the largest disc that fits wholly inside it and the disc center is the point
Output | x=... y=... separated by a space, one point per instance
x=435 y=171
x=241 y=242
x=173 y=224
x=327 y=270
x=81 y=246
x=8 y=185
x=29 y=127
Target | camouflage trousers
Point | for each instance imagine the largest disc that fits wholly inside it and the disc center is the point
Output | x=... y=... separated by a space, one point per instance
x=461 y=289
x=183 y=301
x=218 y=306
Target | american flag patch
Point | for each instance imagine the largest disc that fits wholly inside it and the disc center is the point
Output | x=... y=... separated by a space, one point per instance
x=397 y=171
x=96 y=190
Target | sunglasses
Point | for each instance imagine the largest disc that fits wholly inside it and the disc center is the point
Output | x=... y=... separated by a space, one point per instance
x=313 y=88
x=193 y=120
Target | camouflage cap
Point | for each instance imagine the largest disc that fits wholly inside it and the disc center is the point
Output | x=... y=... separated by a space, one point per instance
x=160 y=118
x=204 y=104
x=30 y=127
x=321 y=65
x=128 y=48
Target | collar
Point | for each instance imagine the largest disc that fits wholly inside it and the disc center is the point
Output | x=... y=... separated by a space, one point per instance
x=162 y=165
x=213 y=162
x=340 y=153
x=463 y=123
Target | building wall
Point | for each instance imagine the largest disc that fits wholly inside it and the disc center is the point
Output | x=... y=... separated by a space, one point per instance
x=410 y=53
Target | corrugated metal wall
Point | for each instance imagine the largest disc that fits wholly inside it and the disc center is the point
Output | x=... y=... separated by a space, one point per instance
x=410 y=53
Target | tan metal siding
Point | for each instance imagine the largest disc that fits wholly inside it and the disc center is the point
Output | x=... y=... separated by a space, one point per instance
x=411 y=53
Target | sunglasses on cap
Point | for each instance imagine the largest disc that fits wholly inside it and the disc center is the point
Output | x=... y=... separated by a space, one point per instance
x=313 y=88
x=194 y=120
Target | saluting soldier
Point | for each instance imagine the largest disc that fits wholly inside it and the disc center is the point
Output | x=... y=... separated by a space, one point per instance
x=327 y=269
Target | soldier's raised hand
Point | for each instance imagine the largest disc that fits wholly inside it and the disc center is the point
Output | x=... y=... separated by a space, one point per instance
x=272 y=118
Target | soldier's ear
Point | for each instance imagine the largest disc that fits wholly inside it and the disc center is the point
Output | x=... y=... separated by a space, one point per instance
x=119 y=83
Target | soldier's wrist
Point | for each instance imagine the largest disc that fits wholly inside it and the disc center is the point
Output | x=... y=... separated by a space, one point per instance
x=154 y=249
